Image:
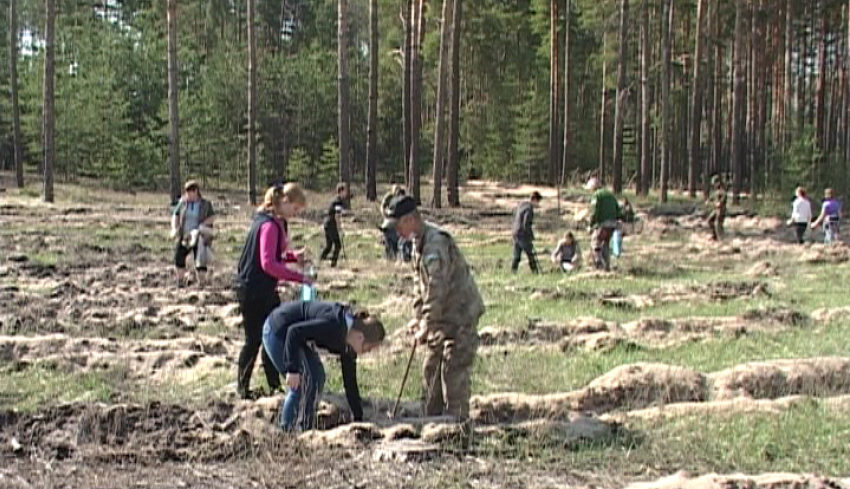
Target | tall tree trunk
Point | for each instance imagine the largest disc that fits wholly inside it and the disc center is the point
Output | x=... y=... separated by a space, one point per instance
x=454 y=117
x=602 y=146
x=803 y=53
x=13 y=85
x=717 y=110
x=566 y=140
x=439 y=123
x=752 y=96
x=343 y=122
x=738 y=103
x=407 y=9
x=694 y=163
x=173 y=109
x=252 y=104
x=415 y=97
x=820 y=92
x=48 y=114
x=645 y=129
x=554 y=94
x=372 y=130
x=788 y=96
x=708 y=103
x=620 y=107
x=666 y=27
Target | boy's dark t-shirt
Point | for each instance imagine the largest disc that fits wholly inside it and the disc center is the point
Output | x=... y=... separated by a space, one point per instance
x=336 y=206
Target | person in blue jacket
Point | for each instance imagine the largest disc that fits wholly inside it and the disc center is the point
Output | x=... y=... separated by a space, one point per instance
x=292 y=335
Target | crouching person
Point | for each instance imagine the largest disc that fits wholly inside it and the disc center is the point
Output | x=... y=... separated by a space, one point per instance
x=567 y=255
x=292 y=334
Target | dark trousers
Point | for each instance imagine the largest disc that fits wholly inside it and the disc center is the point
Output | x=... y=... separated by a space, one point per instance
x=800 y=229
x=522 y=245
x=390 y=243
x=333 y=242
x=255 y=310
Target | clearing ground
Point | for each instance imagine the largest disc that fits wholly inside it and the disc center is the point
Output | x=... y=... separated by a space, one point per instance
x=689 y=360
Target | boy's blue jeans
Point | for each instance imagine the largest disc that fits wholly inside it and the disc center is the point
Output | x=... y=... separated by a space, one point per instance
x=298 y=403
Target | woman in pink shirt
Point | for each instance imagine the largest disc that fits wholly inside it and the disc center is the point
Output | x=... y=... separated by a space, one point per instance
x=262 y=265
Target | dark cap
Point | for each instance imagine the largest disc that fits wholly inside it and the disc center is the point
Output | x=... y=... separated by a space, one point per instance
x=399 y=207
x=536 y=195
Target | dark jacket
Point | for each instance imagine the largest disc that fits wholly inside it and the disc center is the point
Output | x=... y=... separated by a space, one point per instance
x=299 y=324
x=524 y=222
x=250 y=275
x=336 y=207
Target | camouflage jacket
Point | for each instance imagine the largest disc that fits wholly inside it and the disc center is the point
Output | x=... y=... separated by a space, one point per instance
x=719 y=199
x=447 y=297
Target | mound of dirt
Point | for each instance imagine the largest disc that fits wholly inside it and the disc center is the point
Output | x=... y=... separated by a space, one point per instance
x=780 y=378
x=642 y=385
x=832 y=314
x=537 y=331
x=126 y=432
x=762 y=269
x=823 y=254
x=683 y=480
x=513 y=407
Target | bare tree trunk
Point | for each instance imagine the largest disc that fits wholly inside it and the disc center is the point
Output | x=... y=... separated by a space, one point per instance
x=252 y=104
x=13 y=85
x=820 y=92
x=708 y=103
x=602 y=145
x=407 y=8
x=343 y=122
x=415 y=97
x=173 y=109
x=666 y=27
x=643 y=179
x=553 y=93
x=371 y=131
x=788 y=97
x=454 y=117
x=717 y=110
x=738 y=103
x=751 y=98
x=439 y=123
x=48 y=114
x=694 y=163
x=566 y=139
x=620 y=102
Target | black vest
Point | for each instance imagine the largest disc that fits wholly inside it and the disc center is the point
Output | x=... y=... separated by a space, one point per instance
x=250 y=275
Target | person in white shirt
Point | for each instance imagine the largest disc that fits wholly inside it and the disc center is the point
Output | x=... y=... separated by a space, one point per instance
x=801 y=214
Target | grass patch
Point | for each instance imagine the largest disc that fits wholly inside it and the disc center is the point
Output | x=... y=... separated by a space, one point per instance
x=36 y=387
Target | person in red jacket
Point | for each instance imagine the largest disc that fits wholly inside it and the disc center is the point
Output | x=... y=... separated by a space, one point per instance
x=264 y=263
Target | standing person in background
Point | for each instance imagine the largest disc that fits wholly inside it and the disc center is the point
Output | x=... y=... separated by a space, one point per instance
x=604 y=212
x=261 y=266
x=331 y=225
x=801 y=214
x=192 y=231
x=392 y=242
x=718 y=211
x=830 y=217
x=523 y=233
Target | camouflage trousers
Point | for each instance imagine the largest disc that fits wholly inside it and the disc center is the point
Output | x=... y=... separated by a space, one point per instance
x=600 y=242
x=447 y=372
x=715 y=223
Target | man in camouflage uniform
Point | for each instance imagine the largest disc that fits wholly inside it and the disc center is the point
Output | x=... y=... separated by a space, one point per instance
x=718 y=213
x=448 y=306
